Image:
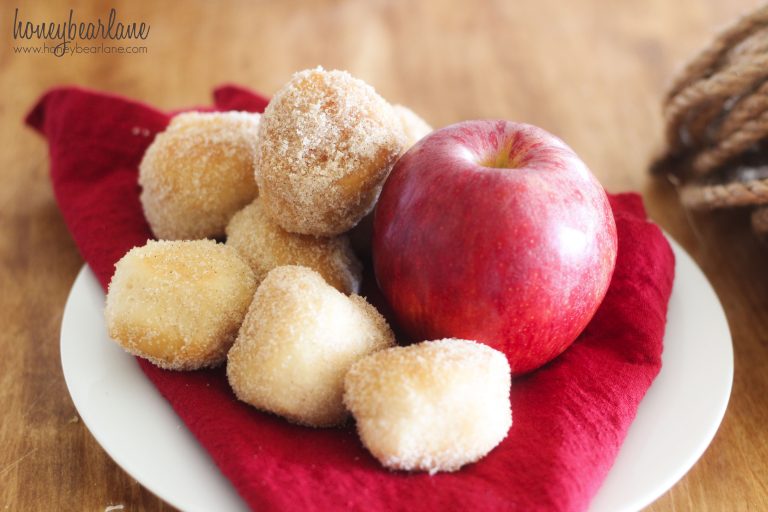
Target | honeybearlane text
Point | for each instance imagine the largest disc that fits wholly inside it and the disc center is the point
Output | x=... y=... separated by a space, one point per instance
x=68 y=31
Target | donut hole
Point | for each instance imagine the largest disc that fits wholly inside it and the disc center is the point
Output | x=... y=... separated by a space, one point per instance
x=433 y=406
x=296 y=344
x=179 y=304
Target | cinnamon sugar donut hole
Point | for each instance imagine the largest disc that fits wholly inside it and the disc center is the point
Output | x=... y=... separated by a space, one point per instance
x=414 y=127
x=179 y=304
x=298 y=339
x=265 y=245
x=197 y=173
x=327 y=142
x=433 y=406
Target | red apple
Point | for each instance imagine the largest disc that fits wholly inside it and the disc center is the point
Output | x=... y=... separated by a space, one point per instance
x=497 y=232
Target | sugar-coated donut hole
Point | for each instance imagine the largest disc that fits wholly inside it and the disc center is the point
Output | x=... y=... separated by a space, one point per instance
x=414 y=126
x=265 y=245
x=434 y=406
x=298 y=339
x=179 y=303
x=198 y=172
x=327 y=142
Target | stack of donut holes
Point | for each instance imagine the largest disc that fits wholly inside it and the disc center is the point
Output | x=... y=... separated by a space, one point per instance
x=277 y=302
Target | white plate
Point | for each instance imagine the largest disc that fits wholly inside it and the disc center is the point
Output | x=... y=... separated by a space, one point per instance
x=675 y=423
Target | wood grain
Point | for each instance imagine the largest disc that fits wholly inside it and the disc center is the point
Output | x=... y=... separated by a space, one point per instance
x=590 y=71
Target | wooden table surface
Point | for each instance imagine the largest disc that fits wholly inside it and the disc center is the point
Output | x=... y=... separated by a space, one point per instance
x=591 y=71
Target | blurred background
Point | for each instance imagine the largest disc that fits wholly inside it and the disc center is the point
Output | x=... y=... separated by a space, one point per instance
x=591 y=71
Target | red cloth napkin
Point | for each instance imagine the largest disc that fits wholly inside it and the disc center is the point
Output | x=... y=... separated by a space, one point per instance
x=570 y=417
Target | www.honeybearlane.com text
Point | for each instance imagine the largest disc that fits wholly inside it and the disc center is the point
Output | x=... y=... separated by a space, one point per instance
x=78 y=49
x=66 y=32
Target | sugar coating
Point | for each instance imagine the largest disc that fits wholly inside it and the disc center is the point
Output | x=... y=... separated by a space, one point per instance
x=298 y=339
x=179 y=303
x=414 y=126
x=327 y=142
x=265 y=245
x=434 y=406
x=198 y=172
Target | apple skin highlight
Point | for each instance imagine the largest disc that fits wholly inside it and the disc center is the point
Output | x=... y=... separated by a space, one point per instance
x=497 y=232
